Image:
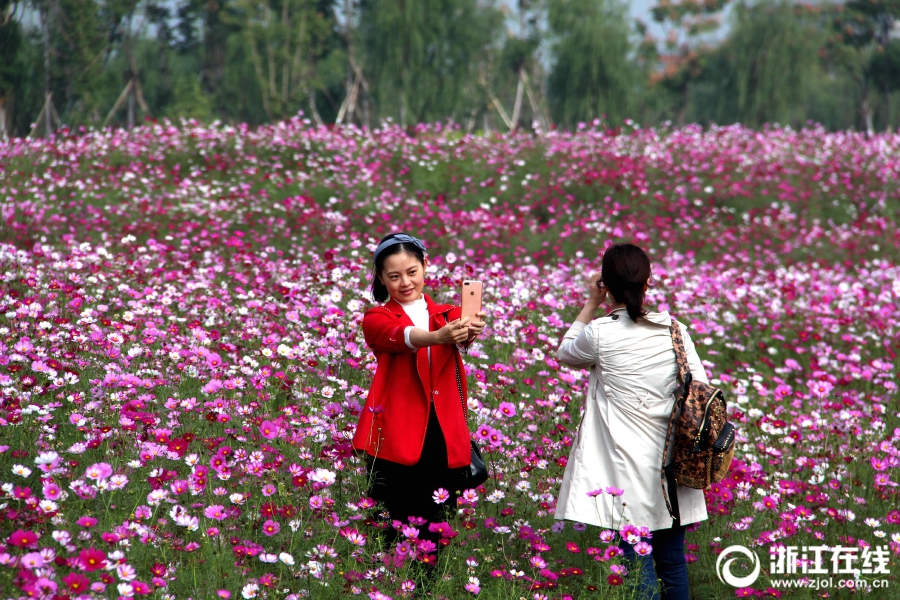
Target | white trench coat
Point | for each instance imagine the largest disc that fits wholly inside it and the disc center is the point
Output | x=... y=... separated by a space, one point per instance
x=622 y=435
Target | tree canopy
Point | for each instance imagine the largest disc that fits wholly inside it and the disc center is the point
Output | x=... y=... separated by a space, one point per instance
x=483 y=64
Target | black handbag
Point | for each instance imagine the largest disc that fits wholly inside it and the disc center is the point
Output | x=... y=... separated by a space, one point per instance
x=473 y=475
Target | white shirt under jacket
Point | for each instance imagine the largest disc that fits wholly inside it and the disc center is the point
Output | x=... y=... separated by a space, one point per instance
x=622 y=435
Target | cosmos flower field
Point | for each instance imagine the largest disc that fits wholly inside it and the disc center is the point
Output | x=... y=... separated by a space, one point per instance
x=182 y=362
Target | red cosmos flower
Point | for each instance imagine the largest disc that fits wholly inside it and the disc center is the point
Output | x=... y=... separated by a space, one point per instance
x=76 y=582
x=614 y=580
x=22 y=538
x=178 y=445
x=92 y=559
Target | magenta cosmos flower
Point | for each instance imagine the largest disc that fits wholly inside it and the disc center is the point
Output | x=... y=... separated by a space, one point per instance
x=271 y=527
x=215 y=511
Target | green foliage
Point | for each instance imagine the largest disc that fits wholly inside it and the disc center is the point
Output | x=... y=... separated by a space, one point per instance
x=592 y=74
x=12 y=67
x=423 y=55
x=190 y=101
x=765 y=72
x=884 y=67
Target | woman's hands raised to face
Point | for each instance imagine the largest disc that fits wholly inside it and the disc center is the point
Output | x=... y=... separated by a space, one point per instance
x=597 y=292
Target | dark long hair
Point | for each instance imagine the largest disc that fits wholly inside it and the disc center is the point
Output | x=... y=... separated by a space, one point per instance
x=379 y=290
x=626 y=270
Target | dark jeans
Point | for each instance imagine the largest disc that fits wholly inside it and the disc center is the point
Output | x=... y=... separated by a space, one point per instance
x=670 y=567
x=406 y=491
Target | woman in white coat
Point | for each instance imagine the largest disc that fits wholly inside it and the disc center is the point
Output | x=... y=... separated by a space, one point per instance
x=619 y=446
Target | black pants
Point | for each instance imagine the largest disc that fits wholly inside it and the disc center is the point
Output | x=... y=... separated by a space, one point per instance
x=406 y=491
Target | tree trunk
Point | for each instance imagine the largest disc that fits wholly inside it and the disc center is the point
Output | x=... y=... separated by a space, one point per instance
x=517 y=107
x=865 y=111
x=45 y=38
x=3 y=134
x=130 y=122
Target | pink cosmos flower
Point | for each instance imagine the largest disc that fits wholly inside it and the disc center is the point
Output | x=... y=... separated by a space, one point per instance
x=99 y=471
x=643 y=549
x=271 y=527
x=22 y=538
x=86 y=521
x=215 y=511
x=537 y=562
x=46 y=586
x=91 y=559
x=51 y=491
x=268 y=430
x=76 y=582
x=140 y=588
x=507 y=409
x=32 y=560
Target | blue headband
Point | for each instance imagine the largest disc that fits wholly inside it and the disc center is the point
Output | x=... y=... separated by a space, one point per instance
x=400 y=238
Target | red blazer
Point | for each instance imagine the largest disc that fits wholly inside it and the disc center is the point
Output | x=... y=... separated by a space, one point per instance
x=394 y=419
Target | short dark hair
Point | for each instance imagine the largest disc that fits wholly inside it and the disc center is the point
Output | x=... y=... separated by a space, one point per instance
x=379 y=290
x=625 y=272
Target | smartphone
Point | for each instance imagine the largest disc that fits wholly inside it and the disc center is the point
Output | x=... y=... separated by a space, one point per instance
x=471 y=298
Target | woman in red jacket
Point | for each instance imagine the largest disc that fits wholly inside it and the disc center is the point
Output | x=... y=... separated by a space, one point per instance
x=413 y=425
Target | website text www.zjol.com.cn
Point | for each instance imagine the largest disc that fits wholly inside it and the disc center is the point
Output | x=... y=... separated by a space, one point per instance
x=831 y=583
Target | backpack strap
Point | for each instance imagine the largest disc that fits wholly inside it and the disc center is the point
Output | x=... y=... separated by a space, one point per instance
x=684 y=371
x=684 y=376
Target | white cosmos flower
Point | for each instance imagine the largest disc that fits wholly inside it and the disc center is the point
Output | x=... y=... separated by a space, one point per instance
x=21 y=470
x=61 y=537
x=286 y=558
x=324 y=476
x=126 y=572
